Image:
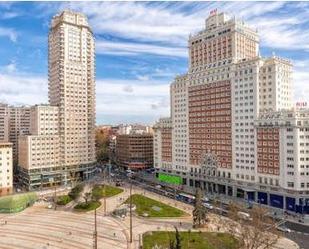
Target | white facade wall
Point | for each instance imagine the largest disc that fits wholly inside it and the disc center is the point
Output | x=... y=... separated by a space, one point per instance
x=41 y=149
x=179 y=112
x=159 y=163
x=276 y=92
x=245 y=92
x=6 y=168
x=72 y=86
x=39 y=152
x=44 y=120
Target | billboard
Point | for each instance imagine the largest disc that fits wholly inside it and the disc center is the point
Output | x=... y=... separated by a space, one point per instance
x=170 y=179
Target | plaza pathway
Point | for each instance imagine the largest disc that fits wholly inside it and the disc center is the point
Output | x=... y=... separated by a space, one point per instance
x=41 y=228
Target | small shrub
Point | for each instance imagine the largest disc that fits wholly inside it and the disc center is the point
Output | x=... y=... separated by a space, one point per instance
x=90 y=205
x=63 y=200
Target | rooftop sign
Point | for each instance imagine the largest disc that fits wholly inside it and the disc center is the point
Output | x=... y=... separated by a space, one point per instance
x=213 y=12
x=301 y=104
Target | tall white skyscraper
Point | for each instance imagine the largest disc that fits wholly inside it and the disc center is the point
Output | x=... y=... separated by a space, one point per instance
x=60 y=148
x=71 y=75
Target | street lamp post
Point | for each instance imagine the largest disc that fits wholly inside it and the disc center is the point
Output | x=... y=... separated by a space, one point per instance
x=131 y=239
x=95 y=233
x=55 y=198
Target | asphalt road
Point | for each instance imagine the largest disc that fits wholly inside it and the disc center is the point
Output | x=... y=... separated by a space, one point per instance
x=299 y=234
x=300 y=238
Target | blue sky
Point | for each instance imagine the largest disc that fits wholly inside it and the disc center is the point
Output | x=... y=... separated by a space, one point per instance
x=140 y=48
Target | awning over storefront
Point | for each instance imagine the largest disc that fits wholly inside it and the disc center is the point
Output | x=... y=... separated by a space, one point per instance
x=248 y=189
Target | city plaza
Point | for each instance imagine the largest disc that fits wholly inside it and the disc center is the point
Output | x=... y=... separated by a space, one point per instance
x=42 y=228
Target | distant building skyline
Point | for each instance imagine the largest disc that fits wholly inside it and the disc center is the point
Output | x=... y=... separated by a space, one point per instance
x=138 y=54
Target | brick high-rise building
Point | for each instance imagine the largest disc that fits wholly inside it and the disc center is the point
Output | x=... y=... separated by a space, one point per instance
x=233 y=129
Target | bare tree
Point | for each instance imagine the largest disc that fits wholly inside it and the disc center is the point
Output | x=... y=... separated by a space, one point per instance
x=87 y=196
x=253 y=228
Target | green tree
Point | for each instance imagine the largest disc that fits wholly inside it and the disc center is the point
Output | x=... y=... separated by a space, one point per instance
x=199 y=212
x=102 y=145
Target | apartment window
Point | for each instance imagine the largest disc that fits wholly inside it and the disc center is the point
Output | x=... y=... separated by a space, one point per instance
x=291 y=184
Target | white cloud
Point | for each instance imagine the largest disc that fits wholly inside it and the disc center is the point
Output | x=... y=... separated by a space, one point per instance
x=301 y=80
x=132 y=97
x=10 y=33
x=25 y=89
x=9 y=15
x=114 y=97
x=10 y=68
x=171 y=23
x=133 y=49
x=143 y=77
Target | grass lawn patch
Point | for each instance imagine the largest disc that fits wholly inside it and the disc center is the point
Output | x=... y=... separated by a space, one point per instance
x=98 y=191
x=63 y=200
x=153 y=208
x=190 y=240
x=90 y=205
x=17 y=203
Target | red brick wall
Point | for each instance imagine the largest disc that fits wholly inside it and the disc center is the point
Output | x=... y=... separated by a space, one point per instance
x=210 y=122
x=268 y=150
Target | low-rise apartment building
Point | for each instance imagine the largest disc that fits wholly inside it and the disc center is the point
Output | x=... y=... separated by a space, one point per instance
x=134 y=151
x=39 y=162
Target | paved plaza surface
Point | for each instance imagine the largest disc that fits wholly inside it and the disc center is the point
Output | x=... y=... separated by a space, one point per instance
x=41 y=228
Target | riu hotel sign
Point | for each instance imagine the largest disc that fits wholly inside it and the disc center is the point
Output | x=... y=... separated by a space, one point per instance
x=301 y=104
x=213 y=12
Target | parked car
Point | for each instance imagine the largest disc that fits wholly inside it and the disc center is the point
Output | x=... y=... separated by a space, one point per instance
x=284 y=229
x=207 y=205
x=205 y=199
